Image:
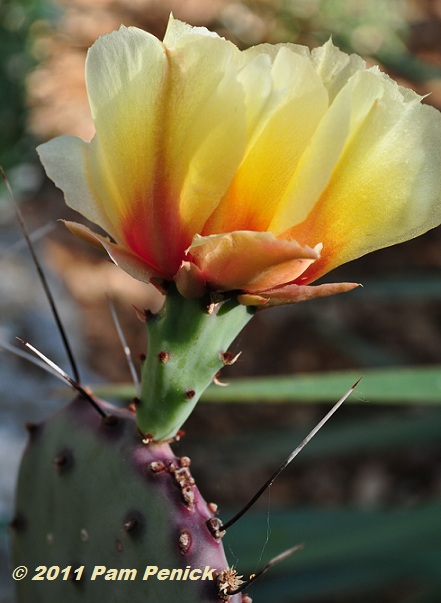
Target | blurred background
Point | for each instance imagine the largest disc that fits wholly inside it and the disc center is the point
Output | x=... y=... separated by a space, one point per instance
x=365 y=496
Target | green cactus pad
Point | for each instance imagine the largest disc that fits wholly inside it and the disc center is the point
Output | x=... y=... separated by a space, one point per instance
x=187 y=345
x=91 y=495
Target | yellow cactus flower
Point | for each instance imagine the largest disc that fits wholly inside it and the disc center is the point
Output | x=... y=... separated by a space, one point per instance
x=253 y=171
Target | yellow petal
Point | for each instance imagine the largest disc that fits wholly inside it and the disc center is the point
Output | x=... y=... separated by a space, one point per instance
x=285 y=104
x=126 y=74
x=264 y=153
x=384 y=186
x=288 y=90
x=249 y=261
x=169 y=136
x=204 y=127
x=114 y=176
x=170 y=133
x=339 y=124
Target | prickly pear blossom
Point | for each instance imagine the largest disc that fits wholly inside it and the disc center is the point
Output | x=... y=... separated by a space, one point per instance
x=253 y=171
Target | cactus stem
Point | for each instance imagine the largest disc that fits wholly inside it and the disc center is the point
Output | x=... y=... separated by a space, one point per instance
x=215 y=528
x=189 y=341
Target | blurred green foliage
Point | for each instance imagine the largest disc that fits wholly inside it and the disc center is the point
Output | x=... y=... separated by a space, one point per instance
x=349 y=555
x=17 y=20
x=379 y=29
x=363 y=26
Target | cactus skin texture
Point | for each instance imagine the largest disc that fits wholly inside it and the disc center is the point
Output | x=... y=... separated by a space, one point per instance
x=91 y=493
x=187 y=344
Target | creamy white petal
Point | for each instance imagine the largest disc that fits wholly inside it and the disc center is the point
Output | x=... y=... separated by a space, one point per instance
x=335 y=67
x=177 y=29
x=65 y=160
x=125 y=75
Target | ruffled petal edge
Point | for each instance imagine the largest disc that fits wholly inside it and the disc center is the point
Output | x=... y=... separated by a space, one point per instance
x=125 y=259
